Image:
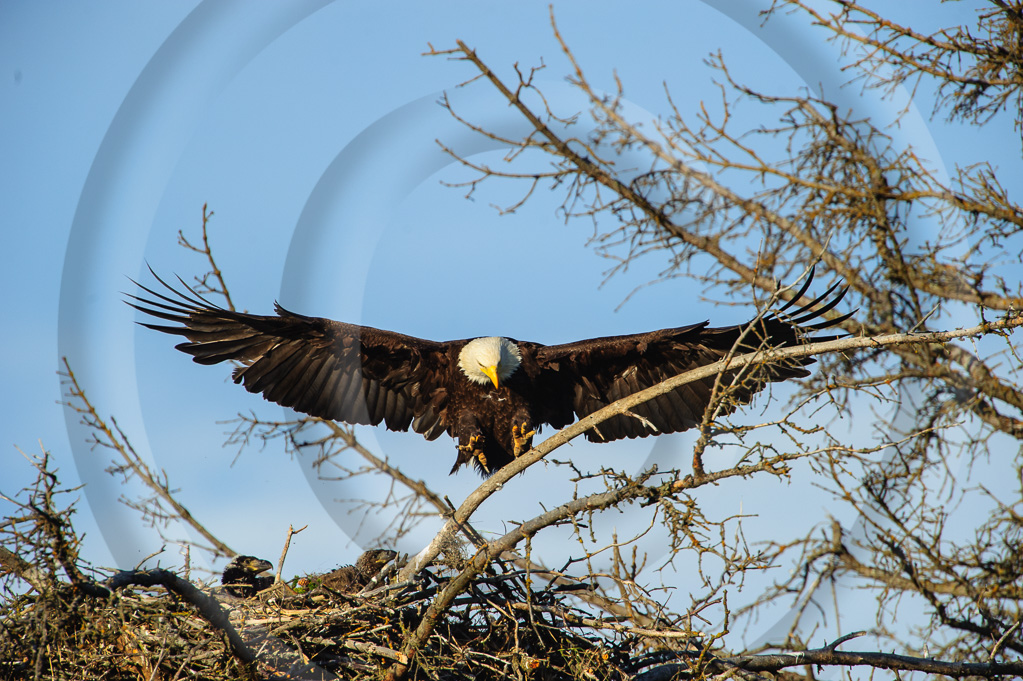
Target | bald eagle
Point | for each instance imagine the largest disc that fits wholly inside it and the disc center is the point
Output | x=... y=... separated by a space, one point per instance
x=349 y=579
x=241 y=576
x=492 y=394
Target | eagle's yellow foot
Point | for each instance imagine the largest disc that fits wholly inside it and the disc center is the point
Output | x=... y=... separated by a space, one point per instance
x=521 y=439
x=474 y=452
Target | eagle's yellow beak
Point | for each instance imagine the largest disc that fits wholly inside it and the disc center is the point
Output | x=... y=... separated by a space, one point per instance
x=491 y=373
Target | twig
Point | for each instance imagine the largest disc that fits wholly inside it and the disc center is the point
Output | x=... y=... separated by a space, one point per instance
x=142 y=562
x=1001 y=641
x=207 y=251
x=284 y=551
x=37 y=578
x=119 y=443
x=828 y=656
x=373 y=649
x=208 y=607
x=601 y=624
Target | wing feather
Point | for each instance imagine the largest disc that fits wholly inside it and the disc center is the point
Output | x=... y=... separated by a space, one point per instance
x=309 y=380
x=594 y=373
x=333 y=391
x=343 y=372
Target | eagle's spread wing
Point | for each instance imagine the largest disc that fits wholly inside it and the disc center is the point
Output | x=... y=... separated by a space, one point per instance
x=343 y=372
x=594 y=373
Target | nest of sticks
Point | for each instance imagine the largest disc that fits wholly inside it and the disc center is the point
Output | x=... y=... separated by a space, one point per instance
x=157 y=625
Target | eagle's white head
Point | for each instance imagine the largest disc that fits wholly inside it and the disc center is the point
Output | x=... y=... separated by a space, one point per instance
x=489 y=359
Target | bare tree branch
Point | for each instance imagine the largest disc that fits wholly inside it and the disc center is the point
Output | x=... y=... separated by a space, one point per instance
x=111 y=437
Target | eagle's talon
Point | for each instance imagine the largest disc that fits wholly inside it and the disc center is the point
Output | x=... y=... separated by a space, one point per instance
x=475 y=452
x=520 y=439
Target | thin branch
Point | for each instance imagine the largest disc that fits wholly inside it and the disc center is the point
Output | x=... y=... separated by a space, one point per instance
x=208 y=607
x=36 y=577
x=284 y=552
x=119 y=443
x=207 y=251
x=635 y=488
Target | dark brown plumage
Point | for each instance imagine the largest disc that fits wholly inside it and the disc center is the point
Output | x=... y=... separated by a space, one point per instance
x=241 y=576
x=349 y=579
x=489 y=393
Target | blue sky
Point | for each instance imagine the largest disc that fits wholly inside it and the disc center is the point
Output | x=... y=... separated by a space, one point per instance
x=309 y=128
